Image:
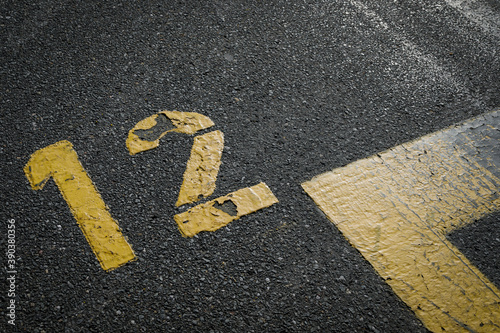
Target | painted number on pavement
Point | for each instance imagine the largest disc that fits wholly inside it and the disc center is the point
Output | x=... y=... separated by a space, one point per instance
x=60 y=161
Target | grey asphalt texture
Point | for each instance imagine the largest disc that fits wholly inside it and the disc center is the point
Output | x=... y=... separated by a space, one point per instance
x=297 y=87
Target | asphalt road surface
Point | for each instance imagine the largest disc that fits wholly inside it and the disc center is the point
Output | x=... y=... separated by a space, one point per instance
x=298 y=88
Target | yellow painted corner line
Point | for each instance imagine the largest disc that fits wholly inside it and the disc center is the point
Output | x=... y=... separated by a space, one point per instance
x=202 y=168
x=398 y=206
x=215 y=214
x=60 y=161
x=147 y=133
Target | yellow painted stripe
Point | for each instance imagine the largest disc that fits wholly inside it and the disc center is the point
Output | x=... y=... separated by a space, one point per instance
x=60 y=162
x=202 y=168
x=212 y=215
x=396 y=208
x=183 y=122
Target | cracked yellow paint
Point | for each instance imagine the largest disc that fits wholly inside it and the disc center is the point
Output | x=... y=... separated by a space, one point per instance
x=102 y=232
x=202 y=168
x=396 y=209
x=183 y=122
x=206 y=217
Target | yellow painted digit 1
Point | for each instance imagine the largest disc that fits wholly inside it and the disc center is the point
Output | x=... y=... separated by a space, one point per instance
x=60 y=162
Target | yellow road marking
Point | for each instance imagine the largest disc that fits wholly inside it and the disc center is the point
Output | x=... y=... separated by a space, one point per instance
x=202 y=168
x=201 y=172
x=396 y=209
x=182 y=122
x=215 y=214
x=60 y=162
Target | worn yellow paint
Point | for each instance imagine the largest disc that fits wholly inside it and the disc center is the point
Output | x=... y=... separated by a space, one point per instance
x=183 y=122
x=202 y=168
x=60 y=162
x=206 y=217
x=396 y=209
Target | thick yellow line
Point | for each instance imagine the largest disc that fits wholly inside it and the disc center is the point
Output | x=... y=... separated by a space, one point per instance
x=60 y=162
x=396 y=209
x=215 y=214
x=202 y=168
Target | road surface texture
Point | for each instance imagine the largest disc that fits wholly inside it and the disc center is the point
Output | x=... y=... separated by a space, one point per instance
x=297 y=88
